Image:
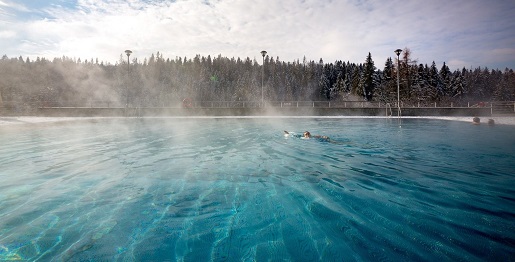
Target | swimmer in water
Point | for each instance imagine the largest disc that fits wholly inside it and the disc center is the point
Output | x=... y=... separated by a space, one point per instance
x=476 y=121
x=307 y=135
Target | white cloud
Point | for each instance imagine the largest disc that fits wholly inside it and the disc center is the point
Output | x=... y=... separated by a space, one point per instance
x=7 y=34
x=459 y=32
x=6 y=4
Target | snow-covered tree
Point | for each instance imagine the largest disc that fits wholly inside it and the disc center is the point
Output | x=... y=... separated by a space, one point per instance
x=445 y=76
x=386 y=88
x=367 y=83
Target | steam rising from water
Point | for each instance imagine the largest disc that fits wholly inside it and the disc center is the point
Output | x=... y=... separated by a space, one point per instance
x=10 y=121
x=200 y=189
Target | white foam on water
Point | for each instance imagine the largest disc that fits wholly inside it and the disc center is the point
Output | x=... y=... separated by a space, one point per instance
x=35 y=120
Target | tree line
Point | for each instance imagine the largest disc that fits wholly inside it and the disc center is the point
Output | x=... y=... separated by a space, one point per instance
x=160 y=82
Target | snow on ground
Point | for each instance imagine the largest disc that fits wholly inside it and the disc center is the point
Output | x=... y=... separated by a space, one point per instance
x=4 y=121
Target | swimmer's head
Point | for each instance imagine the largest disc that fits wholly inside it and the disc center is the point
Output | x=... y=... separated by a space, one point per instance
x=307 y=134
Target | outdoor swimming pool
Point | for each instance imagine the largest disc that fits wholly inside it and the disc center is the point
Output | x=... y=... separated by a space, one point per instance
x=237 y=189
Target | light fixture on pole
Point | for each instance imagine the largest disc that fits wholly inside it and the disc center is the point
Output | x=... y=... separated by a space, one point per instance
x=128 y=52
x=398 y=52
x=263 y=53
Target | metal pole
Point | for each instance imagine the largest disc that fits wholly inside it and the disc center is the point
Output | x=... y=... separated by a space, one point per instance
x=398 y=85
x=128 y=52
x=263 y=53
x=398 y=52
x=128 y=80
x=262 y=81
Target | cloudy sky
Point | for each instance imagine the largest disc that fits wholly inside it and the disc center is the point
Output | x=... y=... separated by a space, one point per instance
x=462 y=33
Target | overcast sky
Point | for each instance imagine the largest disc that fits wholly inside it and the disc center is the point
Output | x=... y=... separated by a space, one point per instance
x=462 y=33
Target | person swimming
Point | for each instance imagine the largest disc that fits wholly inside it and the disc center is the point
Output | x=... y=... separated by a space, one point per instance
x=306 y=135
x=476 y=120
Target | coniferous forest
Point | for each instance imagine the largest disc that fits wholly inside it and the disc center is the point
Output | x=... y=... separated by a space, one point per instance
x=163 y=82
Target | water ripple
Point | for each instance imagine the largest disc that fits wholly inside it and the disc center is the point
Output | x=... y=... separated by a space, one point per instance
x=217 y=190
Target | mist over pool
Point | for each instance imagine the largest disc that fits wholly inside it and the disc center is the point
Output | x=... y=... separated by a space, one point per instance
x=238 y=189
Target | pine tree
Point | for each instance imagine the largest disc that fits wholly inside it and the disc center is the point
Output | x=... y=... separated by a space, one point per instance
x=347 y=81
x=367 y=78
x=158 y=81
x=355 y=80
x=386 y=89
x=338 y=89
x=505 y=89
x=407 y=70
x=457 y=86
x=445 y=76
x=421 y=90
x=435 y=83
x=324 y=86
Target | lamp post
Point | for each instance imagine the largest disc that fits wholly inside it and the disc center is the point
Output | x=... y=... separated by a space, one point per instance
x=263 y=53
x=398 y=52
x=128 y=53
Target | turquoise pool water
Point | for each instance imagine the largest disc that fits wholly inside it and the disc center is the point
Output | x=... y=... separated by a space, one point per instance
x=237 y=189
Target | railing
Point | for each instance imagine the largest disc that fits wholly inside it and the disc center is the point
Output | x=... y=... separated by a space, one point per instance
x=503 y=107
x=387 y=106
x=496 y=106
